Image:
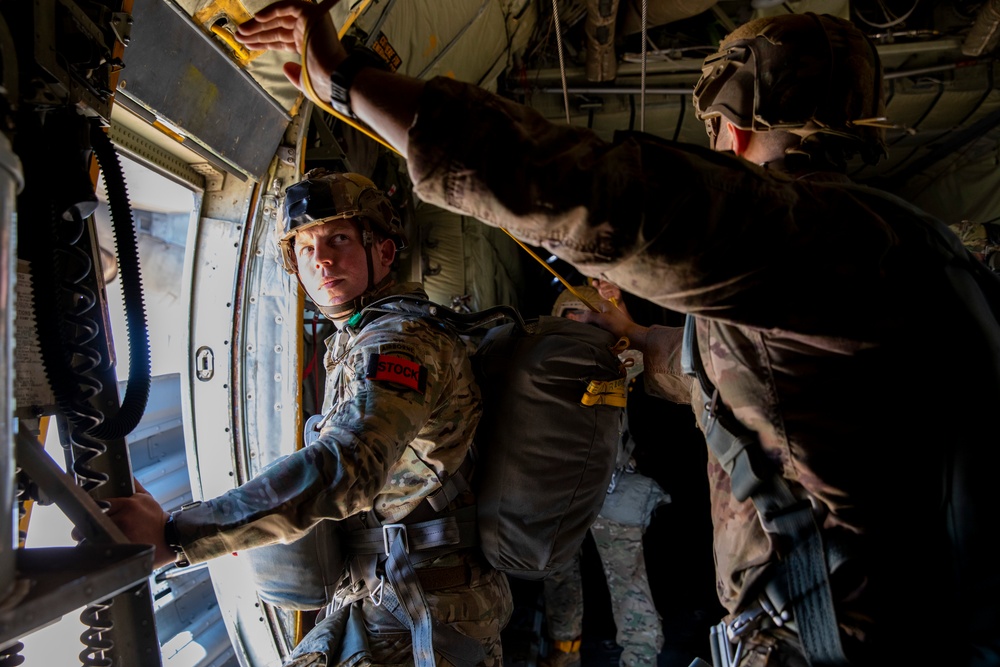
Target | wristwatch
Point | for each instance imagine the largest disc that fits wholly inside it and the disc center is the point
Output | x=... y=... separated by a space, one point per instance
x=341 y=78
x=173 y=540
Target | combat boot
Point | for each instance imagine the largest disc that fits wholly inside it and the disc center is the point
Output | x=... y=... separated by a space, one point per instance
x=562 y=654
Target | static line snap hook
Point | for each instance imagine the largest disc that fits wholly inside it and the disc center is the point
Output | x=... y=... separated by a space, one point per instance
x=710 y=409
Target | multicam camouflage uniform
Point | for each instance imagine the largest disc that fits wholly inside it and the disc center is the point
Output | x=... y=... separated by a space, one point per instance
x=829 y=317
x=384 y=447
x=982 y=239
x=563 y=591
x=639 y=630
x=638 y=627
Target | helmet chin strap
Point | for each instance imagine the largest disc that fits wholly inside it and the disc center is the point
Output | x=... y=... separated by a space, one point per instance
x=341 y=312
x=338 y=312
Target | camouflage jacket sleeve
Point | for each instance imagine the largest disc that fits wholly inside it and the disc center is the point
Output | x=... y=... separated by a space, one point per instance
x=690 y=229
x=662 y=356
x=386 y=444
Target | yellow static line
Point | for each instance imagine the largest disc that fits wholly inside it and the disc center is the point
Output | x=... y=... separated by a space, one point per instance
x=553 y=272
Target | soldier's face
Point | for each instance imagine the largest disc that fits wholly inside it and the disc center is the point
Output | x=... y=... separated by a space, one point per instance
x=332 y=261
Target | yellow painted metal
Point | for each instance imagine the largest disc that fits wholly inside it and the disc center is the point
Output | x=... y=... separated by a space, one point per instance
x=22 y=526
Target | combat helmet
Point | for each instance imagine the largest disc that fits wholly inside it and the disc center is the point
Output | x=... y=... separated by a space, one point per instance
x=813 y=75
x=322 y=196
x=567 y=300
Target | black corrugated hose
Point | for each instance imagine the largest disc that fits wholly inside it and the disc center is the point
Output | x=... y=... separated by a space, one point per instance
x=126 y=248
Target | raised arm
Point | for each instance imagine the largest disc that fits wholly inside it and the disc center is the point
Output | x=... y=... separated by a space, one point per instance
x=385 y=102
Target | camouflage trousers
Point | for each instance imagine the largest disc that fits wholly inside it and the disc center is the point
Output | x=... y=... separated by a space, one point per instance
x=479 y=611
x=638 y=627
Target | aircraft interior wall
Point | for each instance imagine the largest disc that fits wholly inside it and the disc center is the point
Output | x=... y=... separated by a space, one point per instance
x=143 y=161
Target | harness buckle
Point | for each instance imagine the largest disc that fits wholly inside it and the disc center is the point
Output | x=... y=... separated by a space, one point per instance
x=815 y=508
x=744 y=623
x=385 y=536
x=378 y=591
x=779 y=618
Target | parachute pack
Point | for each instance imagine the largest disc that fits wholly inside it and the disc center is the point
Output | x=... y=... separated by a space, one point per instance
x=554 y=393
x=553 y=412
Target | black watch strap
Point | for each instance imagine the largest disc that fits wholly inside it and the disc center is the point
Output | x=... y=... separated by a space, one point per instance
x=173 y=540
x=342 y=78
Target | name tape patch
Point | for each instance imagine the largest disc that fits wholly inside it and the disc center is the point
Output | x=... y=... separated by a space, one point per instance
x=387 y=51
x=387 y=368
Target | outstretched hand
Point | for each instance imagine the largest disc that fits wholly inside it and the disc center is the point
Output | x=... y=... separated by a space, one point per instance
x=384 y=101
x=614 y=319
x=607 y=289
x=282 y=26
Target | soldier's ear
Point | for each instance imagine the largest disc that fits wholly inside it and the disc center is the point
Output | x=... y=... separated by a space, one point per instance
x=741 y=139
x=386 y=250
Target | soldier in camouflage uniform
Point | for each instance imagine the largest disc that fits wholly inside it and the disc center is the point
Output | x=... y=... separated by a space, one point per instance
x=826 y=315
x=982 y=239
x=618 y=537
x=401 y=407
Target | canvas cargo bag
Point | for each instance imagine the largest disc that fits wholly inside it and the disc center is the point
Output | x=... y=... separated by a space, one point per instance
x=546 y=445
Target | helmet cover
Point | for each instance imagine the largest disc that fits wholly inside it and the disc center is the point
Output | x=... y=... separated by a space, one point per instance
x=569 y=301
x=804 y=73
x=323 y=196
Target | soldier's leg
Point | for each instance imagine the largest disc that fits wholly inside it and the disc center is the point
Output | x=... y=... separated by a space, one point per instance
x=479 y=611
x=563 y=592
x=639 y=629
